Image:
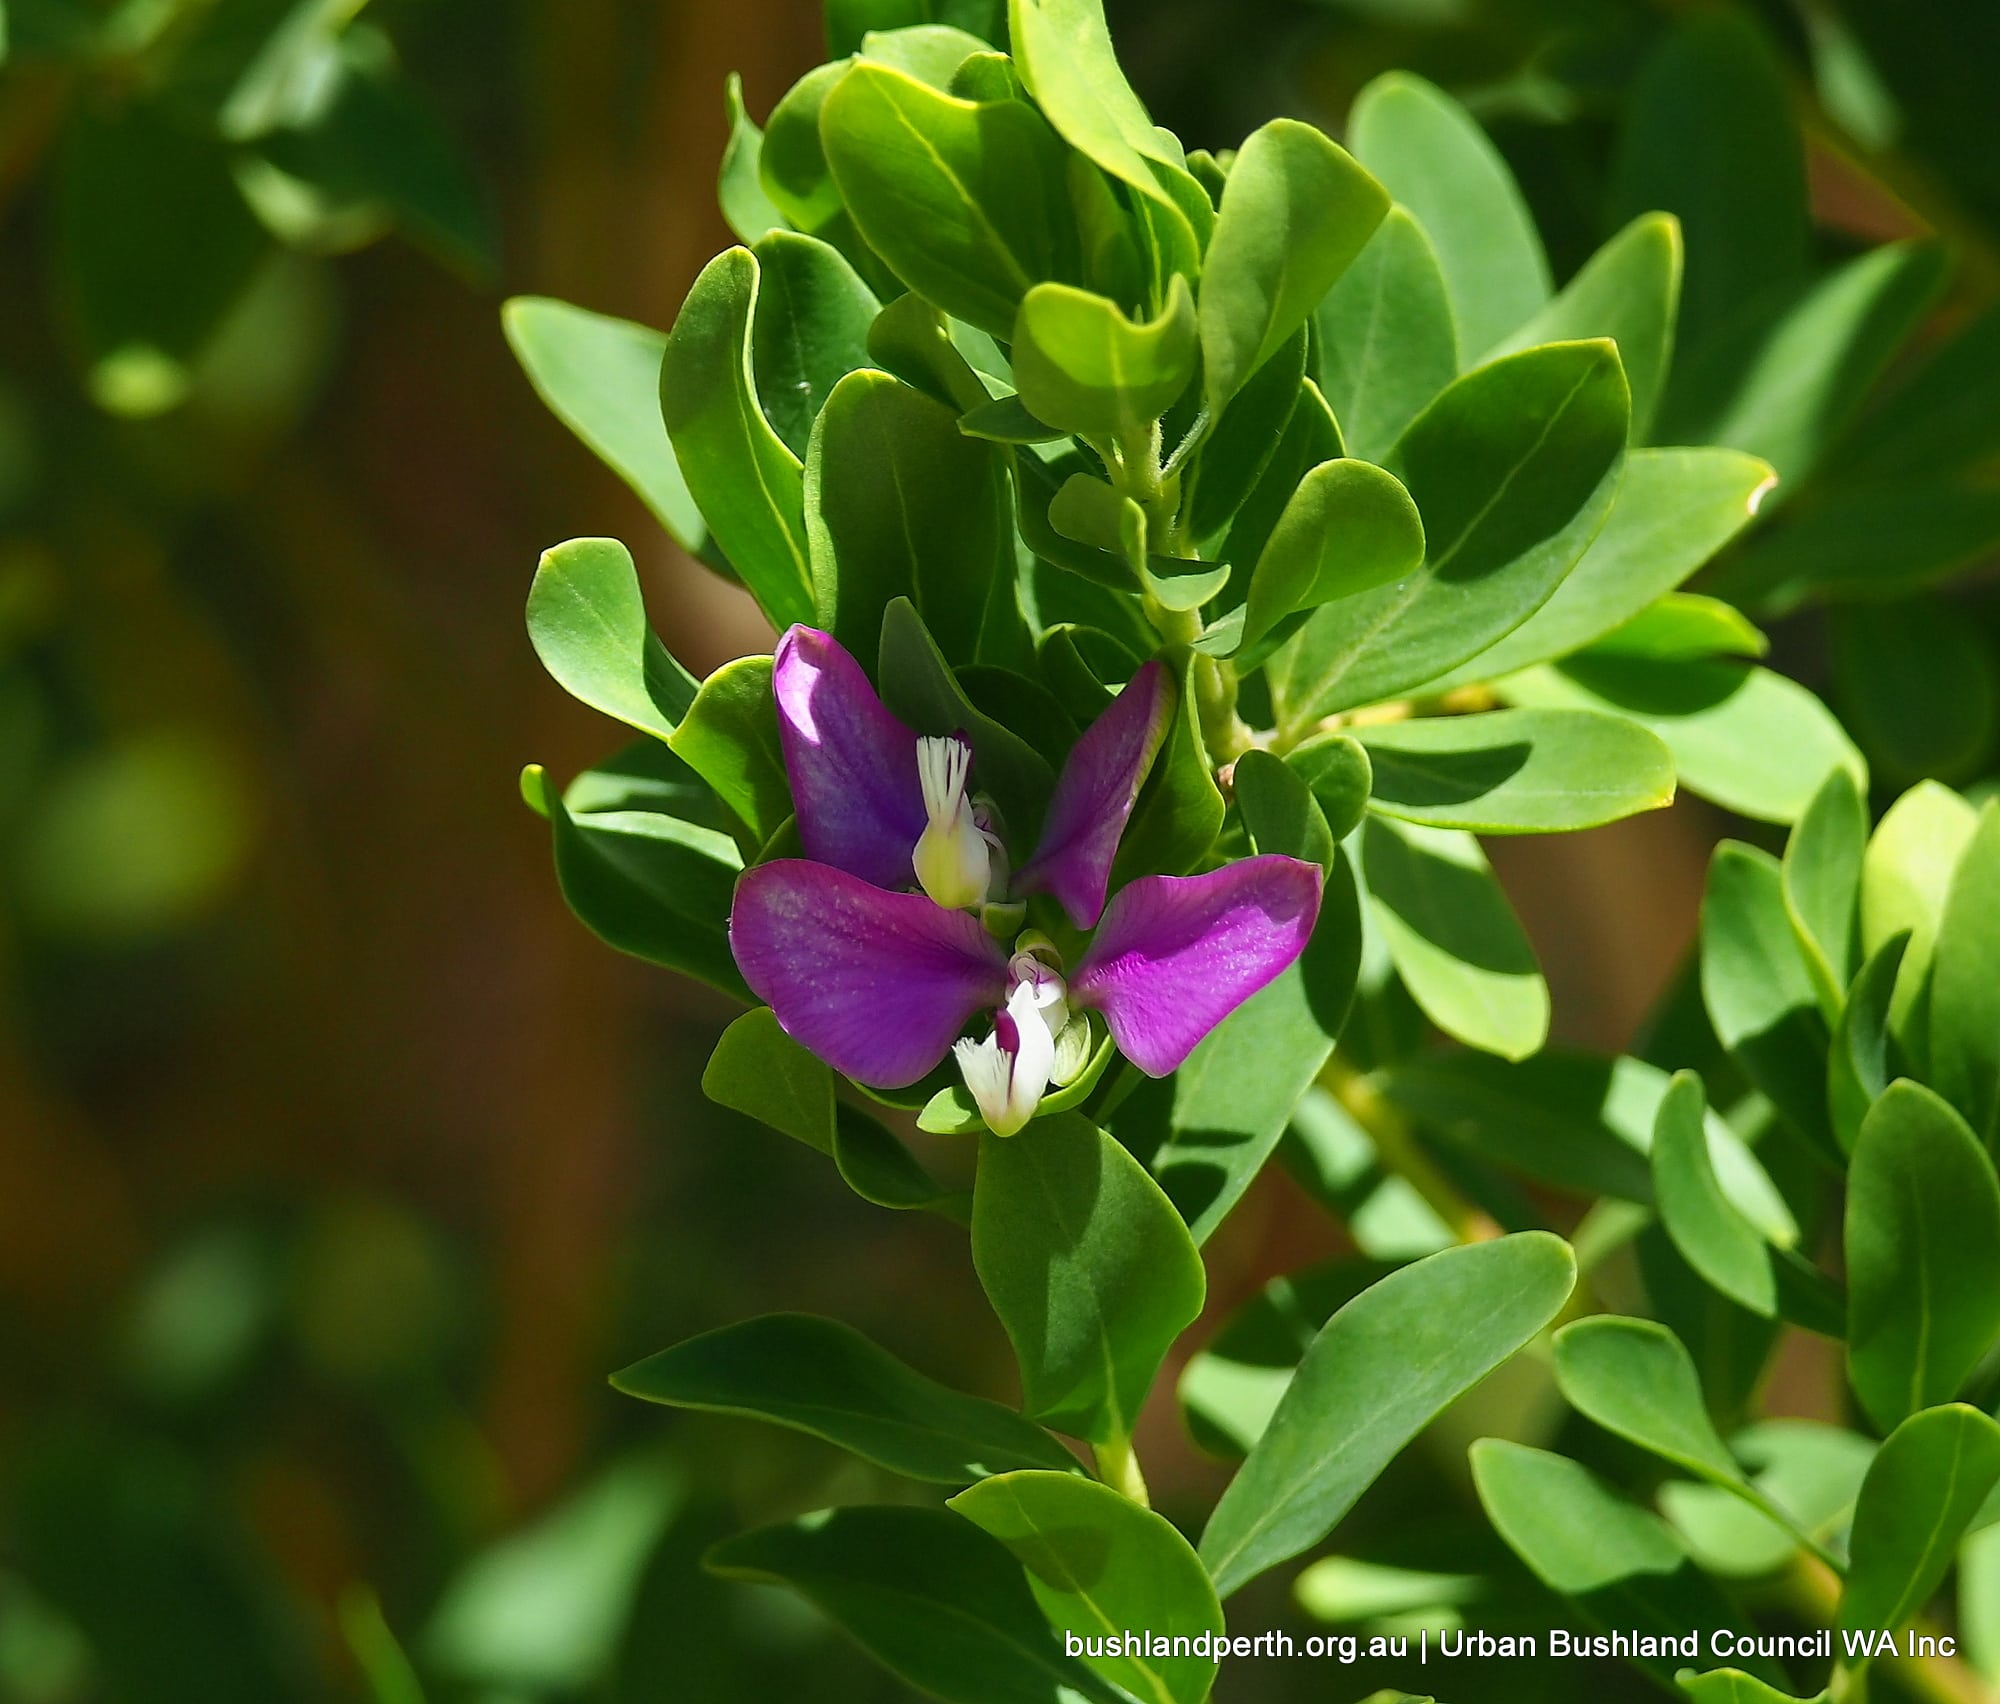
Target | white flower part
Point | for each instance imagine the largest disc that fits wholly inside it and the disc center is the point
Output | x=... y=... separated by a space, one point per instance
x=1008 y=1085
x=986 y=818
x=952 y=860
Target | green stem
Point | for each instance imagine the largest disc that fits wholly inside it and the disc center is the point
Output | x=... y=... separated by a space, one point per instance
x=1118 y=1467
x=1397 y=1147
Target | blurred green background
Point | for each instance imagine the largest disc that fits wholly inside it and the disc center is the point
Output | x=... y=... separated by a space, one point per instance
x=338 y=1166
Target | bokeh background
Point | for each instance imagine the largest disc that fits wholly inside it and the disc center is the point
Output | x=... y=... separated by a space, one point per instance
x=338 y=1165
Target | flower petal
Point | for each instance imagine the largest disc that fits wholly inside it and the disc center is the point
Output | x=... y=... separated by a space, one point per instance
x=1094 y=795
x=1177 y=954
x=877 y=984
x=852 y=765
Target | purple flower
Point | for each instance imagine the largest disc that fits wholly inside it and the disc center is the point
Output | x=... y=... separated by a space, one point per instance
x=880 y=981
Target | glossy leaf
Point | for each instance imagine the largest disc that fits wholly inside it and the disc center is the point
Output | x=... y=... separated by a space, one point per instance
x=1387 y=342
x=819 y=1376
x=1350 y=527
x=810 y=332
x=1295 y=212
x=1711 y=138
x=1713 y=1237
x=1858 y=1064
x=1180 y=811
x=1269 y=413
x=1965 y=985
x=587 y=622
x=1629 y=291
x=1382 y=1368
x=1751 y=739
x=1923 y=1254
x=1083 y=366
x=1822 y=886
x=729 y=737
x=1063 y=51
x=1905 y=878
x=1684 y=626
x=792 y=163
x=1927 y=1482
x=1453 y=937
x=648 y=884
x=971 y=220
x=1634 y=1377
x=1809 y=1470
x=1733 y=1686
x=927 y=1594
x=759 y=1071
x=899 y=503
x=1336 y=768
x=1431 y=156
x=748 y=485
x=1675 y=509
x=1516 y=771
x=601 y=377
x=739 y=183
x=1514 y=469
x=1756 y=988
x=1089 y=1267
x=1098 y=1564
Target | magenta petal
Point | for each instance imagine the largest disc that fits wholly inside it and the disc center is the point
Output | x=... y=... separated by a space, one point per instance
x=852 y=765
x=1094 y=795
x=1177 y=954
x=877 y=984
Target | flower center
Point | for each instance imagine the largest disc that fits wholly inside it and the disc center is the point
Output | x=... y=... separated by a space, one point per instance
x=954 y=854
x=1035 y=1041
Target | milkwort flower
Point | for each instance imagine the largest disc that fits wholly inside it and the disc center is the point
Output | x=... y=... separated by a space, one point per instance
x=877 y=947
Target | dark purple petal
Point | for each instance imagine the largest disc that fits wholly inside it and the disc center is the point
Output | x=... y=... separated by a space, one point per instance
x=877 y=984
x=852 y=765
x=1177 y=954
x=1094 y=794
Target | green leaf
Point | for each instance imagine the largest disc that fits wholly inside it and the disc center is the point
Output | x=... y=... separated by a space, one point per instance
x=1063 y=51
x=155 y=244
x=1350 y=527
x=1453 y=937
x=1920 y=686
x=647 y=883
x=729 y=737
x=899 y=504
x=928 y=1595
x=1751 y=739
x=1634 y=1377
x=1336 y=768
x=1295 y=212
x=1517 y=771
x=1783 y=384
x=1733 y=1686
x=811 y=330
x=1387 y=343
x=587 y=622
x=1710 y=137
x=1858 y=1065
x=877 y=1167
x=965 y=201
x=1432 y=157
x=1083 y=366
x=1756 y=988
x=1180 y=810
x=1923 y=1254
x=1713 y=1237
x=1810 y=1470
x=1684 y=626
x=792 y=163
x=601 y=378
x=1575 y=1120
x=931 y=52
x=1629 y=291
x=1207 y=1131
x=1099 y=1564
x=1270 y=414
x=1927 y=1482
x=1514 y=469
x=1675 y=509
x=918 y=686
x=1822 y=886
x=911 y=339
x=759 y=1071
x=1378 y=1373
x=824 y=1378
x=1965 y=985
x=748 y=485
x=1905 y=877
x=848 y=21
x=1621 y=1564
x=739 y=185
x=1089 y=1267
x=1342 y=1590
x=1279 y=810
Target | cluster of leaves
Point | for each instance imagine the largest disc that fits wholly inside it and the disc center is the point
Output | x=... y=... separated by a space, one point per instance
x=1010 y=393
x=198 y=137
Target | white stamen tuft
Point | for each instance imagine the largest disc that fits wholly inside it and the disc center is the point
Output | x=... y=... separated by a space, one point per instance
x=1008 y=1086
x=952 y=859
